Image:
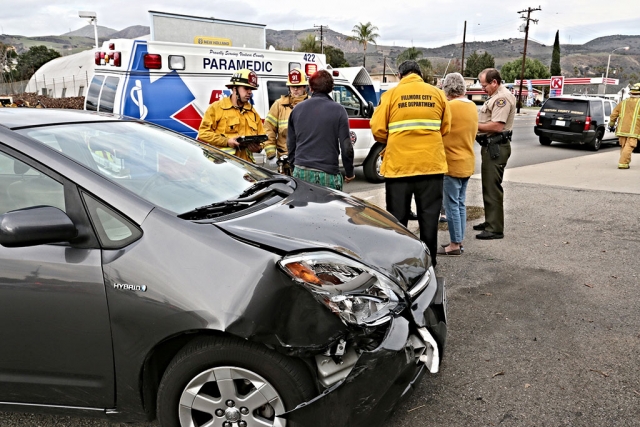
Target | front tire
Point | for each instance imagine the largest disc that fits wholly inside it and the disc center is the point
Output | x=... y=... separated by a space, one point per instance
x=225 y=379
x=371 y=165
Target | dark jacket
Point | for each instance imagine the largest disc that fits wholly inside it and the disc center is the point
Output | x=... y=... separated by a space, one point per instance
x=318 y=133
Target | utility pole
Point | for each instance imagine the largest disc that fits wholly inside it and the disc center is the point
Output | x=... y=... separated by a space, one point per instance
x=524 y=53
x=322 y=27
x=464 y=36
x=384 y=69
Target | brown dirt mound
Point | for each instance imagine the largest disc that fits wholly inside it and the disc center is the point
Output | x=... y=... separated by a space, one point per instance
x=34 y=100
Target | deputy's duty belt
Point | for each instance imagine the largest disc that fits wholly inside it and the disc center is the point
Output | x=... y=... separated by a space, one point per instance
x=494 y=138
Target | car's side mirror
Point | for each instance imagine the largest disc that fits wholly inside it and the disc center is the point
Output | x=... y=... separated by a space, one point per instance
x=368 y=110
x=35 y=226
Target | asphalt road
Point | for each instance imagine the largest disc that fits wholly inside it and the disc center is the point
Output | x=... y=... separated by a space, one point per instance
x=544 y=325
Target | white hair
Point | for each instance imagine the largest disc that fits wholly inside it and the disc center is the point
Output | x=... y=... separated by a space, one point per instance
x=453 y=85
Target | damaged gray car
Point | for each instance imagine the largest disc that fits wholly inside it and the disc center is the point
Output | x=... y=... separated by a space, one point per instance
x=144 y=274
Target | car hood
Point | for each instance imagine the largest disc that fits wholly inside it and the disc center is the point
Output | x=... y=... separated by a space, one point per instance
x=313 y=218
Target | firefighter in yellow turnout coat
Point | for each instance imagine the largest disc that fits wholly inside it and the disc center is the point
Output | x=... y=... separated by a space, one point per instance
x=627 y=114
x=410 y=120
x=277 y=121
x=234 y=116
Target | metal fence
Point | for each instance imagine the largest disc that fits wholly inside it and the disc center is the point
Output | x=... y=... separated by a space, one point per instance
x=9 y=88
x=53 y=87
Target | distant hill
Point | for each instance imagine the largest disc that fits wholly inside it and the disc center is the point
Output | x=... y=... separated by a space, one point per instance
x=586 y=60
x=74 y=41
x=88 y=31
x=132 y=32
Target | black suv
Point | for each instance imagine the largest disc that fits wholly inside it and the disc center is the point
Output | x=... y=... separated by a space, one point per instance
x=575 y=119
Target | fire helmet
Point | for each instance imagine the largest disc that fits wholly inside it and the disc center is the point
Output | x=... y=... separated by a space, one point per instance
x=635 y=89
x=297 y=78
x=245 y=78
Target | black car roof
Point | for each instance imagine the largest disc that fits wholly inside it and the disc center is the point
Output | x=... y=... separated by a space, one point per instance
x=15 y=118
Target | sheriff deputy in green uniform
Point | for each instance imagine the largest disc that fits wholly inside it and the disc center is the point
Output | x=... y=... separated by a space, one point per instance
x=495 y=122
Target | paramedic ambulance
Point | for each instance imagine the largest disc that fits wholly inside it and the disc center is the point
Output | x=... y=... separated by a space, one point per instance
x=172 y=84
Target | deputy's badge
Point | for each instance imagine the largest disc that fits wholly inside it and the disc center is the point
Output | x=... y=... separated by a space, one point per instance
x=501 y=102
x=353 y=137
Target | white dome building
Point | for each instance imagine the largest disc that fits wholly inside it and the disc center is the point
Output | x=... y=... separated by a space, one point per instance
x=64 y=77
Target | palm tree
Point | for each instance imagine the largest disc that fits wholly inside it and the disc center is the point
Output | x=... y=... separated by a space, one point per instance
x=309 y=44
x=363 y=34
x=426 y=69
x=409 y=54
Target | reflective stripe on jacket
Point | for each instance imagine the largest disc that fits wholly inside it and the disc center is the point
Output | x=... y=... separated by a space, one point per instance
x=628 y=115
x=222 y=121
x=414 y=125
x=411 y=119
x=276 y=125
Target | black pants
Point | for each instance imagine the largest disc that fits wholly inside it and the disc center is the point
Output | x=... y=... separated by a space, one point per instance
x=427 y=190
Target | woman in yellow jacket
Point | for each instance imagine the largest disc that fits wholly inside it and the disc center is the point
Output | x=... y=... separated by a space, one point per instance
x=277 y=121
x=458 y=147
x=227 y=119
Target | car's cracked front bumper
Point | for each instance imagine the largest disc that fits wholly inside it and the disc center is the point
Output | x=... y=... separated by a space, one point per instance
x=413 y=344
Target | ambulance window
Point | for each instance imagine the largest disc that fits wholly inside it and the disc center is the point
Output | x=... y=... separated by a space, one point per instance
x=607 y=108
x=108 y=94
x=94 y=93
x=275 y=89
x=348 y=99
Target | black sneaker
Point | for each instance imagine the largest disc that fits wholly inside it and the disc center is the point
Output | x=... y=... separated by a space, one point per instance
x=487 y=235
x=481 y=226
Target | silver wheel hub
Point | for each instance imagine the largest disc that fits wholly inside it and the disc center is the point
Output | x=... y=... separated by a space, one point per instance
x=232 y=414
x=229 y=396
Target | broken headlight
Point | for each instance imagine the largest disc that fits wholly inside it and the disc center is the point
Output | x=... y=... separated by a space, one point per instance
x=358 y=294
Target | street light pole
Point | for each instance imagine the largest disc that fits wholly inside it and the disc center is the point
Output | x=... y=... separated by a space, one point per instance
x=93 y=19
x=608 y=62
x=95 y=30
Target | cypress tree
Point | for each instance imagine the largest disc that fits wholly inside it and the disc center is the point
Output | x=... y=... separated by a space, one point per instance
x=555 y=57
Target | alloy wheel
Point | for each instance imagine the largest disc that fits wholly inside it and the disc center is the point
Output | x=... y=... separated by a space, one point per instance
x=229 y=396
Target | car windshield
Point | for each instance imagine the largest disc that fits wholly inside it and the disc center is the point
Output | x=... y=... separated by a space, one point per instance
x=167 y=169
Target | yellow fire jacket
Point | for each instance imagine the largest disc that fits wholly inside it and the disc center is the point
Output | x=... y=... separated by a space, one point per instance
x=222 y=121
x=411 y=119
x=628 y=114
x=277 y=123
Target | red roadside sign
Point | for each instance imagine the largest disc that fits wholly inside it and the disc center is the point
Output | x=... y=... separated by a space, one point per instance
x=556 y=85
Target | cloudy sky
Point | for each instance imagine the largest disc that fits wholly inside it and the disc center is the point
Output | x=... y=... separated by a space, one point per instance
x=418 y=22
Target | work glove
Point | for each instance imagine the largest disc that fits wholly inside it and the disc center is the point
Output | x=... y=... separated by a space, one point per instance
x=272 y=162
x=612 y=128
